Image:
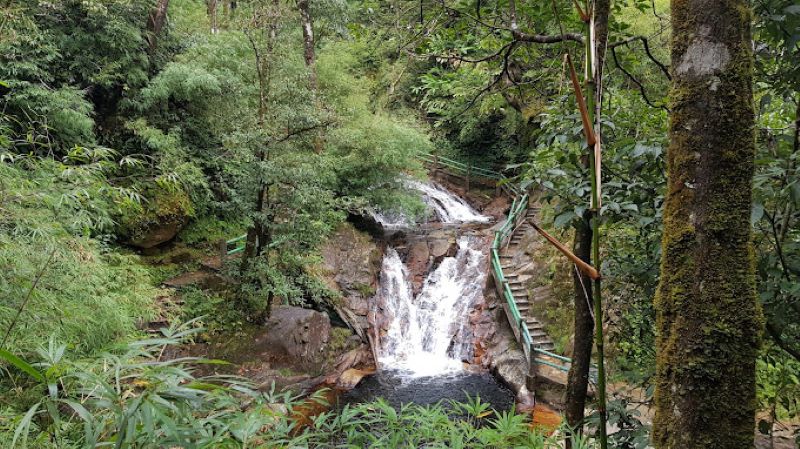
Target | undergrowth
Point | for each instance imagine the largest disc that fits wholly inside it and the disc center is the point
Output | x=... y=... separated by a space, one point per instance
x=84 y=295
x=131 y=397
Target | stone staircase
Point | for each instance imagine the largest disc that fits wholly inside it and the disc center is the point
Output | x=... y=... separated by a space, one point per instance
x=522 y=297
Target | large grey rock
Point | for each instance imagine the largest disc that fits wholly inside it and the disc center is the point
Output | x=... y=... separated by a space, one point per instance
x=301 y=334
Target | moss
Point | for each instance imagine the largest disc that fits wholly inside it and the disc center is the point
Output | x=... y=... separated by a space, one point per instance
x=708 y=320
x=161 y=205
x=338 y=341
x=365 y=290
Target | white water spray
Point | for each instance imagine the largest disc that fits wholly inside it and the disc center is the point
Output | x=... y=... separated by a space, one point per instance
x=426 y=334
x=447 y=207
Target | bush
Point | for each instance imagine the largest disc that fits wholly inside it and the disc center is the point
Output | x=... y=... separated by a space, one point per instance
x=84 y=295
x=134 y=398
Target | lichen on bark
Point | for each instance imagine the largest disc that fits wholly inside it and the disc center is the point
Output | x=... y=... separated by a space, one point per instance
x=708 y=320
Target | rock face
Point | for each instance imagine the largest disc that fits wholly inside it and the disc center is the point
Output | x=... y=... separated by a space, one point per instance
x=352 y=262
x=298 y=333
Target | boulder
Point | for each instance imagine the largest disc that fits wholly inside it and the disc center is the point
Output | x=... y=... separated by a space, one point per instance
x=155 y=233
x=417 y=264
x=297 y=333
x=351 y=265
x=158 y=220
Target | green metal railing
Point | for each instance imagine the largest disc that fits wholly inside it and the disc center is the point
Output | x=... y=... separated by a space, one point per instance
x=470 y=171
x=238 y=244
x=519 y=208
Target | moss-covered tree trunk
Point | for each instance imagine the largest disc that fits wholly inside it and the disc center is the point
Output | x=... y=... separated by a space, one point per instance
x=708 y=321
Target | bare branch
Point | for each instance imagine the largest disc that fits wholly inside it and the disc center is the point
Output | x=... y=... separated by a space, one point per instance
x=645 y=43
x=635 y=81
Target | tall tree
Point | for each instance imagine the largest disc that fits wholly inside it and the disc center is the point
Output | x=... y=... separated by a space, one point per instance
x=584 y=322
x=155 y=22
x=708 y=322
x=309 y=54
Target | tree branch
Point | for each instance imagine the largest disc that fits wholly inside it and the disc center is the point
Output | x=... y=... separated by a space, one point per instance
x=646 y=45
x=780 y=342
x=547 y=39
x=294 y=132
x=635 y=81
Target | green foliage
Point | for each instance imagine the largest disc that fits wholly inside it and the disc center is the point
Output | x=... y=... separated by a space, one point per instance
x=778 y=380
x=49 y=107
x=87 y=296
x=135 y=398
x=211 y=309
x=210 y=230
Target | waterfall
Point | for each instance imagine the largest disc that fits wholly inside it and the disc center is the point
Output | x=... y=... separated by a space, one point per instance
x=446 y=207
x=426 y=333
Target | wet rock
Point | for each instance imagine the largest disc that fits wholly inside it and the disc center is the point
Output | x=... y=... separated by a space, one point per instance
x=497 y=208
x=442 y=247
x=417 y=264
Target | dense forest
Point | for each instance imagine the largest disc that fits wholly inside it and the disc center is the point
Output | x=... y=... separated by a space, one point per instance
x=252 y=144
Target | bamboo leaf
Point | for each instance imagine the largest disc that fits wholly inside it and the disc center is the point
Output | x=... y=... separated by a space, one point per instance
x=21 y=365
x=24 y=426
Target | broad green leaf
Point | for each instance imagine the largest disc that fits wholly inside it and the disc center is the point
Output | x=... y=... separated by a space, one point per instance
x=21 y=365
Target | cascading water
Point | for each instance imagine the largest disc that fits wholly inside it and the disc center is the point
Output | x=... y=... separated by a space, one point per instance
x=420 y=355
x=423 y=338
x=424 y=335
x=446 y=207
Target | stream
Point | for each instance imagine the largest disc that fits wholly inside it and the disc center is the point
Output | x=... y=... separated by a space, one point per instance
x=423 y=354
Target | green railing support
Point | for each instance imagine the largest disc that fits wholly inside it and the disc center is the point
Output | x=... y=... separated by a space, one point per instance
x=239 y=247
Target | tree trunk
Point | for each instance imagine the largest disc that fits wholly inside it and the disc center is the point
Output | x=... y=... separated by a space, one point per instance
x=308 y=42
x=155 y=23
x=707 y=318
x=211 y=7
x=578 y=378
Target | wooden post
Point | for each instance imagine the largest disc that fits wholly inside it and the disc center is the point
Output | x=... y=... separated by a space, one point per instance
x=583 y=266
x=223 y=252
